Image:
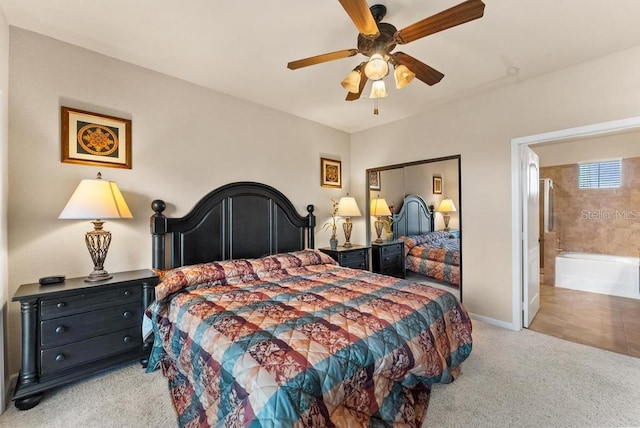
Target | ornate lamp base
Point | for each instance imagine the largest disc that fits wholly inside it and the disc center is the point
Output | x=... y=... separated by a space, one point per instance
x=347 y=226
x=98 y=241
x=378 y=224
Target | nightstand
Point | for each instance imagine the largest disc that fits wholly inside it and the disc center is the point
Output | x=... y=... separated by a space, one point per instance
x=356 y=256
x=388 y=258
x=76 y=329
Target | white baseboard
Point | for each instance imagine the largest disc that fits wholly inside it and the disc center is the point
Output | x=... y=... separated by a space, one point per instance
x=494 y=322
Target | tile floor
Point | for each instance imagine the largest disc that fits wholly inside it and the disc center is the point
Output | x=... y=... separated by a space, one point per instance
x=599 y=320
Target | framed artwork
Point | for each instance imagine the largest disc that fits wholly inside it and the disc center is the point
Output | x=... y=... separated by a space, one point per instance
x=330 y=173
x=437 y=185
x=374 y=180
x=95 y=139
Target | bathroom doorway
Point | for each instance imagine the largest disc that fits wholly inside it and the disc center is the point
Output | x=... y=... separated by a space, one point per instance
x=603 y=317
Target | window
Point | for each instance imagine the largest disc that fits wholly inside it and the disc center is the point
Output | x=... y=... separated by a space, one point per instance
x=599 y=175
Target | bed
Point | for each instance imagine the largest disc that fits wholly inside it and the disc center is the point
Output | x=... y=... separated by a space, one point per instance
x=434 y=254
x=254 y=327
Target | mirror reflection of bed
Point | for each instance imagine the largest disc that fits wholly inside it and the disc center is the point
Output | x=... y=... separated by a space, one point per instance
x=414 y=193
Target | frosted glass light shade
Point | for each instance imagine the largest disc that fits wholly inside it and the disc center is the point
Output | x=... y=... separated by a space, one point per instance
x=347 y=207
x=352 y=82
x=376 y=67
x=446 y=206
x=378 y=90
x=96 y=199
x=379 y=208
x=403 y=76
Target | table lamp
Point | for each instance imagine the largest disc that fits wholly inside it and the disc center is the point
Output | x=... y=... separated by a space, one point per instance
x=445 y=207
x=347 y=208
x=97 y=200
x=379 y=209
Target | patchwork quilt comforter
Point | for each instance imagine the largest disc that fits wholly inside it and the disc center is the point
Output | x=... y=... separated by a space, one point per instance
x=435 y=255
x=295 y=340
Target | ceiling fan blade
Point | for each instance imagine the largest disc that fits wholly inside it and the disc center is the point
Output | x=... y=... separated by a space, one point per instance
x=319 y=59
x=363 y=81
x=464 y=12
x=428 y=75
x=359 y=12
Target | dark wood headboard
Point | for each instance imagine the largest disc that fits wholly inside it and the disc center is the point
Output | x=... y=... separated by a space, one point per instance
x=238 y=220
x=415 y=217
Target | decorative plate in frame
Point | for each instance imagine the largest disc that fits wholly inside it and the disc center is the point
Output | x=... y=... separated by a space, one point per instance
x=95 y=139
x=330 y=173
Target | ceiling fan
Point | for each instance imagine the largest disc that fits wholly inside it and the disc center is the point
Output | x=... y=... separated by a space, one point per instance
x=377 y=39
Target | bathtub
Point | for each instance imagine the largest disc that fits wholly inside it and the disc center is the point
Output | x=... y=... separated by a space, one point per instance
x=598 y=273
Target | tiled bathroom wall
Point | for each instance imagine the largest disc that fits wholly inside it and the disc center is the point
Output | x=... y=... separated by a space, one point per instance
x=603 y=221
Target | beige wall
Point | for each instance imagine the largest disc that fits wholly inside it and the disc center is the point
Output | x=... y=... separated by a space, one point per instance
x=4 y=142
x=624 y=145
x=187 y=140
x=602 y=221
x=480 y=129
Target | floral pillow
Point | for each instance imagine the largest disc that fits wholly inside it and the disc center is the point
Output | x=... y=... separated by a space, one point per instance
x=176 y=279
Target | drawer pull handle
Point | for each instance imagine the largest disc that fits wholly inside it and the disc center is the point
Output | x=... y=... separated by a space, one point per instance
x=127 y=293
x=126 y=339
x=60 y=357
x=61 y=305
x=60 y=329
x=127 y=314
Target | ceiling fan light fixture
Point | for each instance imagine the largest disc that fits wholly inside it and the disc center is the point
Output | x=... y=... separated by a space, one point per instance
x=376 y=67
x=403 y=76
x=352 y=82
x=378 y=90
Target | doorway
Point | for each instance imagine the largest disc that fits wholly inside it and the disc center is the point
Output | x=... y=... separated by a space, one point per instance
x=518 y=145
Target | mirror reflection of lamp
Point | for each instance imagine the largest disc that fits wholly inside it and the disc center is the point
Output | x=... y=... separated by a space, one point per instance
x=379 y=209
x=446 y=206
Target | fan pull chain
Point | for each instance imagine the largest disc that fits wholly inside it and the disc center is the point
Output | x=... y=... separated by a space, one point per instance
x=375 y=106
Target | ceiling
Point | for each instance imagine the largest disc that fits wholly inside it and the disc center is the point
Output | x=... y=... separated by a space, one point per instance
x=242 y=48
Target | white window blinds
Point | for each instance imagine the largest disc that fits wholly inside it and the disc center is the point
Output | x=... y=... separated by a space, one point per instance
x=599 y=175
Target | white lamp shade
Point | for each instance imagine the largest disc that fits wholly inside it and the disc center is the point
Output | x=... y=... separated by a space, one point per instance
x=376 y=68
x=378 y=90
x=347 y=207
x=96 y=200
x=446 y=206
x=379 y=208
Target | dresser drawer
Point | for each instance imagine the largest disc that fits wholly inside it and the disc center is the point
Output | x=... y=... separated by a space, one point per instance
x=391 y=260
x=387 y=250
x=58 y=331
x=353 y=256
x=85 y=302
x=84 y=351
x=355 y=264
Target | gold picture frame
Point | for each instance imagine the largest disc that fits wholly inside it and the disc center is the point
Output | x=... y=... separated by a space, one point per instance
x=330 y=173
x=374 y=180
x=95 y=139
x=437 y=185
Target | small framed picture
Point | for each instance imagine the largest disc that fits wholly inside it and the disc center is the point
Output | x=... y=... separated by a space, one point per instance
x=374 y=180
x=437 y=185
x=330 y=173
x=95 y=139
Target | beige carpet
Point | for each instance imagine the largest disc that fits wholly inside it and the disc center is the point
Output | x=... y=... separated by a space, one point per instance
x=511 y=379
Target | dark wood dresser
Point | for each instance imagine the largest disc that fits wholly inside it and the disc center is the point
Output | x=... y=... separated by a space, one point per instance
x=356 y=256
x=388 y=258
x=76 y=329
